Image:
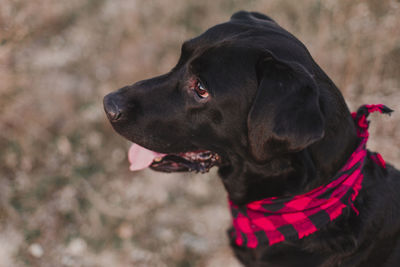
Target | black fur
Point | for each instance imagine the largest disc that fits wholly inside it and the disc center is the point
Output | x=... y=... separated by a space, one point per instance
x=281 y=127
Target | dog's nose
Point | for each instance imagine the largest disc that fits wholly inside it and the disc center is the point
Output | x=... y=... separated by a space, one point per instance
x=112 y=107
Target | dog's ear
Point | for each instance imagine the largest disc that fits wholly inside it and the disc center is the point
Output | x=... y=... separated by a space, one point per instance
x=285 y=115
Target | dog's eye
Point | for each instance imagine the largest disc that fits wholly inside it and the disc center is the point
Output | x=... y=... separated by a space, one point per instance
x=200 y=90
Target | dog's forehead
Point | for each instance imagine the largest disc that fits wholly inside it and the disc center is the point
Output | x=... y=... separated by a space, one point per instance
x=223 y=33
x=251 y=34
x=221 y=39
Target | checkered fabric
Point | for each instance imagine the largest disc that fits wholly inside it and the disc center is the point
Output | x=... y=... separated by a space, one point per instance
x=275 y=219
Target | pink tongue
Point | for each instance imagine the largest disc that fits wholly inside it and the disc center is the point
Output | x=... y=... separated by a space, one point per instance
x=140 y=157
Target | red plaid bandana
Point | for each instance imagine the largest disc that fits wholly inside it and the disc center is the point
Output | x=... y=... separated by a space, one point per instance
x=275 y=219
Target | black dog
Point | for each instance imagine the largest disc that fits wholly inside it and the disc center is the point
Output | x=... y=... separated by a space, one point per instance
x=247 y=96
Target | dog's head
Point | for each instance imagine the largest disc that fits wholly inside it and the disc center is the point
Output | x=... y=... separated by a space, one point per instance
x=244 y=89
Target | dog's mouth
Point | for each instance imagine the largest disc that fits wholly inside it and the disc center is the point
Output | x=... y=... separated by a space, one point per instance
x=197 y=161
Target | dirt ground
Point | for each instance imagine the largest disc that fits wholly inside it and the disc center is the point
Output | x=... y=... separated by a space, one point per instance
x=67 y=197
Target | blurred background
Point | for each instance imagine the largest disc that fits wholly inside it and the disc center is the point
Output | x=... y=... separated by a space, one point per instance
x=67 y=197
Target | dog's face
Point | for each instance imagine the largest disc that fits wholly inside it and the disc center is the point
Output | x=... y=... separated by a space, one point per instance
x=238 y=91
x=196 y=106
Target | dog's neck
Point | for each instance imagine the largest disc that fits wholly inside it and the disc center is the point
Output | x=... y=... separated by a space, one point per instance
x=329 y=154
x=294 y=173
x=274 y=220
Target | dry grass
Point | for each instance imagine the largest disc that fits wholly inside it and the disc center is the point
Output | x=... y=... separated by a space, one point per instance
x=66 y=195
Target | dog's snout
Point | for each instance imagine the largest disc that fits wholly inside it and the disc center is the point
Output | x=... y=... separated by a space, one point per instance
x=112 y=107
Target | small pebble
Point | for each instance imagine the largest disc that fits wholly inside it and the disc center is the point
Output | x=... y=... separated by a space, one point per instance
x=36 y=250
